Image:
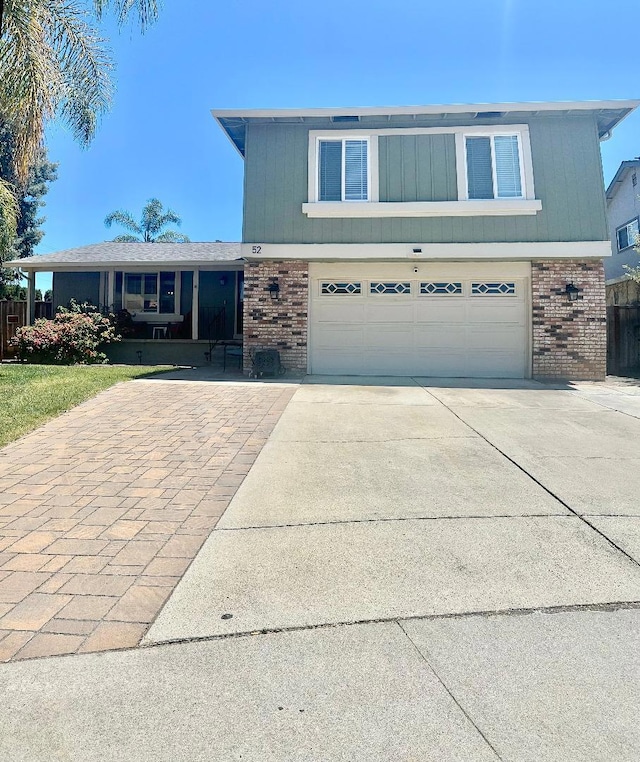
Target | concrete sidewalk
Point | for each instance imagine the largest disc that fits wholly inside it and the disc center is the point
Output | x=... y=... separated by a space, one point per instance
x=412 y=570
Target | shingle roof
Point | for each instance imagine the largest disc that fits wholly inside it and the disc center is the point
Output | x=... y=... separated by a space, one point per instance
x=111 y=253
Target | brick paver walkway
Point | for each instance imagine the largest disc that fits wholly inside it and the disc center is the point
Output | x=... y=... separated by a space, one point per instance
x=103 y=508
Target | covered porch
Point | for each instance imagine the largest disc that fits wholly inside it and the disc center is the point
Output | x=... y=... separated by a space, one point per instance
x=175 y=303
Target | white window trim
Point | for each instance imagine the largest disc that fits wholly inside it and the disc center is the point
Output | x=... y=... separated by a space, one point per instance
x=463 y=207
x=521 y=131
x=155 y=316
x=314 y=164
x=621 y=227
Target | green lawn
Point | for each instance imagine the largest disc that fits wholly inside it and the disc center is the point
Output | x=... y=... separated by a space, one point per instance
x=32 y=394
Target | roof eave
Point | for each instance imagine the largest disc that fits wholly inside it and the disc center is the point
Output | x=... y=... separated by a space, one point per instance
x=244 y=115
x=619 y=176
x=31 y=266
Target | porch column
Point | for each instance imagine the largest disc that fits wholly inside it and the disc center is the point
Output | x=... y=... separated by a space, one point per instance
x=111 y=290
x=194 y=304
x=31 y=297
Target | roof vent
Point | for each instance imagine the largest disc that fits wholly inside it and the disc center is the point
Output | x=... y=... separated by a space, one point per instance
x=345 y=118
x=489 y=114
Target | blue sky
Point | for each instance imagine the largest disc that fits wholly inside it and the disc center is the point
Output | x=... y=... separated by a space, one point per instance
x=160 y=140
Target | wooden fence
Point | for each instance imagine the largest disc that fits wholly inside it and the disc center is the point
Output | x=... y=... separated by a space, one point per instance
x=623 y=340
x=13 y=315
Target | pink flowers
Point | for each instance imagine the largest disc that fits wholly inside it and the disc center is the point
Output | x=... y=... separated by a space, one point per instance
x=75 y=335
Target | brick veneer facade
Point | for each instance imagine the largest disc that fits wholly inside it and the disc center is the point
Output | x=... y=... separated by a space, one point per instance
x=569 y=338
x=277 y=323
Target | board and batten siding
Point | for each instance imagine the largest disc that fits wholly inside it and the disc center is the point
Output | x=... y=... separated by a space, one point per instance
x=567 y=172
x=417 y=168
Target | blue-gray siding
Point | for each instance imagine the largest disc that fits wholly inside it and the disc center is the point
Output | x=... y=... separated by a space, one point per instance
x=567 y=172
x=83 y=287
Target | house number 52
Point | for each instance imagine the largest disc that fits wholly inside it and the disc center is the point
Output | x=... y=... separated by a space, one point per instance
x=256 y=249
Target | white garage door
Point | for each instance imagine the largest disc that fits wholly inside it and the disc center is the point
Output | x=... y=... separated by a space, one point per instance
x=446 y=319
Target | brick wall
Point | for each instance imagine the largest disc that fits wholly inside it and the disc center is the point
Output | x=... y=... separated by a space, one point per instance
x=569 y=338
x=277 y=323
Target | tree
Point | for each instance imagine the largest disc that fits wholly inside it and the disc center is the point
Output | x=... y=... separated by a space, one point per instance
x=29 y=199
x=53 y=65
x=149 y=229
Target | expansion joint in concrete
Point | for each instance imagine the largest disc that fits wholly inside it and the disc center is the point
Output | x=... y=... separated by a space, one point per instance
x=552 y=494
x=449 y=691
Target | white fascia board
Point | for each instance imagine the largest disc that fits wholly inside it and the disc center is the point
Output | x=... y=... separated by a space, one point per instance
x=454 y=108
x=485 y=208
x=427 y=251
x=50 y=267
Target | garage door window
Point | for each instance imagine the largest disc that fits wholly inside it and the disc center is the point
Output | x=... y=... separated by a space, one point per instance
x=493 y=289
x=390 y=287
x=433 y=288
x=335 y=288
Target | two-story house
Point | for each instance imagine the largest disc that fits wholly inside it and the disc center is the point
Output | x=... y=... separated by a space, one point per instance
x=623 y=212
x=430 y=240
x=462 y=241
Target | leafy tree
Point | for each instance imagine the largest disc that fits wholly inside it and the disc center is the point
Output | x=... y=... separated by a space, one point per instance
x=29 y=198
x=53 y=65
x=150 y=227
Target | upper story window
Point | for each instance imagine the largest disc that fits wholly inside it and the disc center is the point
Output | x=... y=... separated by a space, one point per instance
x=343 y=169
x=494 y=168
x=627 y=235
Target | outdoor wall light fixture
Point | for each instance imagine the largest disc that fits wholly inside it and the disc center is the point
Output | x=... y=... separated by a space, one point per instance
x=274 y=289
x=572 y=292
x=223 y=280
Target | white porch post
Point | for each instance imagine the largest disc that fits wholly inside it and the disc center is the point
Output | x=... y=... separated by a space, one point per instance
x=31 y=297
x=111 y=289
x=194 y=304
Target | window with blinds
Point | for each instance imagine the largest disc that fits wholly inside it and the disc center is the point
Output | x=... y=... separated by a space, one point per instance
x=343 y=170
x=493 y=167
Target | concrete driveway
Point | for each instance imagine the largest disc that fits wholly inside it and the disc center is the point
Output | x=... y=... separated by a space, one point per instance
x=411 y=570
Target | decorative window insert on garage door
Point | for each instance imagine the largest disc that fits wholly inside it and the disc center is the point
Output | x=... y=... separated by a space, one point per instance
x=421 y=288
x=450 y=319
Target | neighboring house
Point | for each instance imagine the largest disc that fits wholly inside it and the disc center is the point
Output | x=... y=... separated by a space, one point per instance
x=457 y=240
x=623 y=293
x=623 y=213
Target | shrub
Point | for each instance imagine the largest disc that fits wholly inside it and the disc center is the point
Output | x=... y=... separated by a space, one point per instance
x=75 y=335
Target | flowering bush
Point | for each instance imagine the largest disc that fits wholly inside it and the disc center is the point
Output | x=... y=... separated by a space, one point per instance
x=75 y=335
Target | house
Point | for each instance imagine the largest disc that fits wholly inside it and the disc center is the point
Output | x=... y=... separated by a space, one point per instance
x=453 y=240
x=431 y=240
x=623 y=293
x=623 y=212
x=183 y=298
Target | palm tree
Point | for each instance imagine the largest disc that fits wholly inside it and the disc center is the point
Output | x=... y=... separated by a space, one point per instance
x=54 y=65
x=149 y=229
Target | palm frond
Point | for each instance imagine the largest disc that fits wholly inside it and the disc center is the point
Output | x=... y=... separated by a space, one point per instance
x=126 y=239
x=172 y=236
x=85 y=66
x=124 y=219
x=52 y=64
x=28 y=79
x=145 y=10
x=9 y=212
